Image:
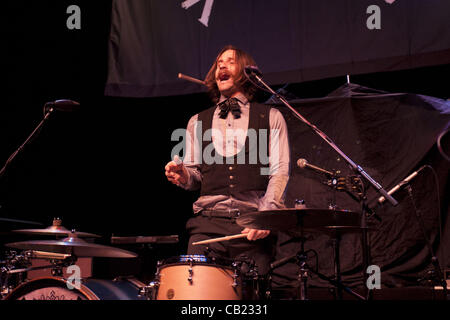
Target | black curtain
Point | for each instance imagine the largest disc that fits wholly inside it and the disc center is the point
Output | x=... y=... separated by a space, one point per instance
x=390 y=136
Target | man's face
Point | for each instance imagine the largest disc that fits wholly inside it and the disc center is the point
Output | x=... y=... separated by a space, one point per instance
x=226 y=73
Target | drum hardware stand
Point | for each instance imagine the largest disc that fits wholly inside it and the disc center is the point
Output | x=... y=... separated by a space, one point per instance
x=338 y=184
x=301 y=259
x=56 y=265
x=151 y=290
x=10 y=264
x=235 y=264
x=352 y=185
x=434 y=259
x=336 y=240
x=251 y=274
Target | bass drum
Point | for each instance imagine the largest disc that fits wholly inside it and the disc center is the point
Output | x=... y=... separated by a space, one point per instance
x=54 y=288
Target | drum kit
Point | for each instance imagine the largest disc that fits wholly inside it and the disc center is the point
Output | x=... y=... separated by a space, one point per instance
x=185 y=277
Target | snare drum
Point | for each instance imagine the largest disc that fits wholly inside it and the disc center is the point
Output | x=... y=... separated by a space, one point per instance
x=195 y=277
x=55 y=288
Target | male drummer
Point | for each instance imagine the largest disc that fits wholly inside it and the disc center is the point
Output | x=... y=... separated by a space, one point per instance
x=231 y=179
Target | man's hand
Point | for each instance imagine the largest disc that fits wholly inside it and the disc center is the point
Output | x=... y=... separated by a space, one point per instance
x=176 y=173
x=254 y=234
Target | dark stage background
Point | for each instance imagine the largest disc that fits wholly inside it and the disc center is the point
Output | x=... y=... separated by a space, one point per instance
x=101 y=169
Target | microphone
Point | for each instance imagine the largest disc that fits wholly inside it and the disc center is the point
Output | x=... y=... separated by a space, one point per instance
x=62 y=105
x=401 y=184
x=303 y=163
x=252 y=69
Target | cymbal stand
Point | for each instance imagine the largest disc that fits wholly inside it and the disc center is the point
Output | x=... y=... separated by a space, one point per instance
x=337 y=263
x=357 y=190
x=301 y=259
x=365 y=240
x=434 y=259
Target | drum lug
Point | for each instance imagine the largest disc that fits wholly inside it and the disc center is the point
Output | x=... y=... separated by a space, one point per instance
x=235 y=274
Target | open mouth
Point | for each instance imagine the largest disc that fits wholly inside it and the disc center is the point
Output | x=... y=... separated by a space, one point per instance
x=223 y=77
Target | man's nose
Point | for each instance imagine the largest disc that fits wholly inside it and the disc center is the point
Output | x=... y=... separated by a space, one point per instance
x=222 y=65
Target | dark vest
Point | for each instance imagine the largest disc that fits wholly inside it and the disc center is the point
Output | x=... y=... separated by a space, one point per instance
x=242 y=172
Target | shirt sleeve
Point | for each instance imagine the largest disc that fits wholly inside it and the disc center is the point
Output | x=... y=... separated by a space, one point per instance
x=279 y=163
x=192 y=156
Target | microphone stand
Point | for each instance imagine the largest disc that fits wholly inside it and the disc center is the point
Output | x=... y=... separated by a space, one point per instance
x=355 y=167
x=47 y=112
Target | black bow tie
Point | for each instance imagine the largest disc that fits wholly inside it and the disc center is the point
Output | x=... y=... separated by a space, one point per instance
x=231 y=104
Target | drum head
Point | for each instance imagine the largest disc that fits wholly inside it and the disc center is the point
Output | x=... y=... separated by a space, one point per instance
x=51 y=288
x=54 y=288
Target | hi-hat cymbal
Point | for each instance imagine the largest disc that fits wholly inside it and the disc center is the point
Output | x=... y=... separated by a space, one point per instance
x=293 y=219
x=56 y=229
x=74 y=246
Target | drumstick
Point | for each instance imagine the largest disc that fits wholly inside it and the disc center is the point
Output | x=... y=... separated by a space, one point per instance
x=236 y=236
x=185 y=77
x=48 y=255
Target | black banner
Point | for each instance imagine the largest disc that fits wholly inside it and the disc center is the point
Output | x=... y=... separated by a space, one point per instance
x=291 y=40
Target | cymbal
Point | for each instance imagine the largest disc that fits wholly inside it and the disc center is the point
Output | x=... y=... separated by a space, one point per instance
x=74 y=246
x=56 y=229
x=292 y=219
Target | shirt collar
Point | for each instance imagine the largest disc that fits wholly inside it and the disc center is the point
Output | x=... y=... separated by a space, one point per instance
x=243 y=101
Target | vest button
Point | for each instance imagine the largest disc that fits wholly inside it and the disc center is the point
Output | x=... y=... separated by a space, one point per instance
x=230 y=168
x=231 y=177
x=231 y=185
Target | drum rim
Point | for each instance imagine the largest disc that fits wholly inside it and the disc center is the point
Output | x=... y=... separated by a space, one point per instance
x=53 y=281
x=213 y=262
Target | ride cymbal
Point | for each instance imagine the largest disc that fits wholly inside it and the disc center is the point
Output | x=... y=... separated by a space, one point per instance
x=74 y=246
x=292 y=219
